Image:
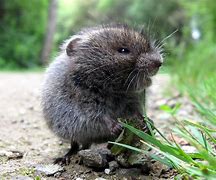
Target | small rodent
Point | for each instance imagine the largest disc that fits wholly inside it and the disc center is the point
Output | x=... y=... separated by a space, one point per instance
x=99 y=76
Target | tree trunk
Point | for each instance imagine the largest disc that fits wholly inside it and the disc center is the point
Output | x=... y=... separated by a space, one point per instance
x=51 y=27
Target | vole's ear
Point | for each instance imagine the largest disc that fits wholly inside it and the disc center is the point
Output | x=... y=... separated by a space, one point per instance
x=70 y=49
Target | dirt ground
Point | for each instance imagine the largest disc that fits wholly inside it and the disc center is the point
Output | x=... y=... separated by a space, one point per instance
x=25 y=140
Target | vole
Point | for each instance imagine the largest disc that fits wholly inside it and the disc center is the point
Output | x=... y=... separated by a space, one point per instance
x=99 y=76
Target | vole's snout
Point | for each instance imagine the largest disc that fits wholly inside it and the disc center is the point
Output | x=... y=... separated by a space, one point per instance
x=146 y=63
x=155 y=63
x=150 y=63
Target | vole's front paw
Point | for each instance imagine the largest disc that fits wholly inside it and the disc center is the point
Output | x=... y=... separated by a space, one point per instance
x=116 y=128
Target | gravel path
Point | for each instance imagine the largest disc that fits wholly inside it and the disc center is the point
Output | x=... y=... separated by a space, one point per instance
x=26 y=142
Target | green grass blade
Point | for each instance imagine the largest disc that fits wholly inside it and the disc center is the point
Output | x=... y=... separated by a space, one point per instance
x=163 y=147
x=157 y=158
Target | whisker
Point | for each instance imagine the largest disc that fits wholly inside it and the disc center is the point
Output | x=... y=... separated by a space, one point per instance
x=92 y=70
x=111 y=75
x=129 y=76
x=130 y=82
x=137 y=79
x=164 y=39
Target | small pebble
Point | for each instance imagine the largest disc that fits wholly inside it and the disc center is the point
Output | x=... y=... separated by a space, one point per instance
x=107 y=171
x=93 y=158
x=113 y=165
x=12 y=154
x=22 y=178
x=79 y=178
x=14 y=122
x=189 y=149
x=49 y=169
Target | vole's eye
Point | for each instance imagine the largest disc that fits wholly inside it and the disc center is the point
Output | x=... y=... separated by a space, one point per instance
x=123 y=50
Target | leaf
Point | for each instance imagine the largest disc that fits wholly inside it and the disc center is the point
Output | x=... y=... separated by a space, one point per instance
x=170 y=110
x=166 y=108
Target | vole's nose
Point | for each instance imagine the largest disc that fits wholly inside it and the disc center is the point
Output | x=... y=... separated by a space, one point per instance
x=149 y=63
x=151 y=60
x=156 y=63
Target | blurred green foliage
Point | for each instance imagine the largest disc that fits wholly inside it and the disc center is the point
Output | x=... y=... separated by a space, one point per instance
x=22 y=28
x=162 y=18
x=195 y=63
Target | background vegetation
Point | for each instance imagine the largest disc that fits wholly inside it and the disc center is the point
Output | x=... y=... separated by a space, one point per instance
x=190 y=52
x=22 y=27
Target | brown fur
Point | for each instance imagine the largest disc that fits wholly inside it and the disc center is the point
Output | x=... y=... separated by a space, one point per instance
x=99 y=76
